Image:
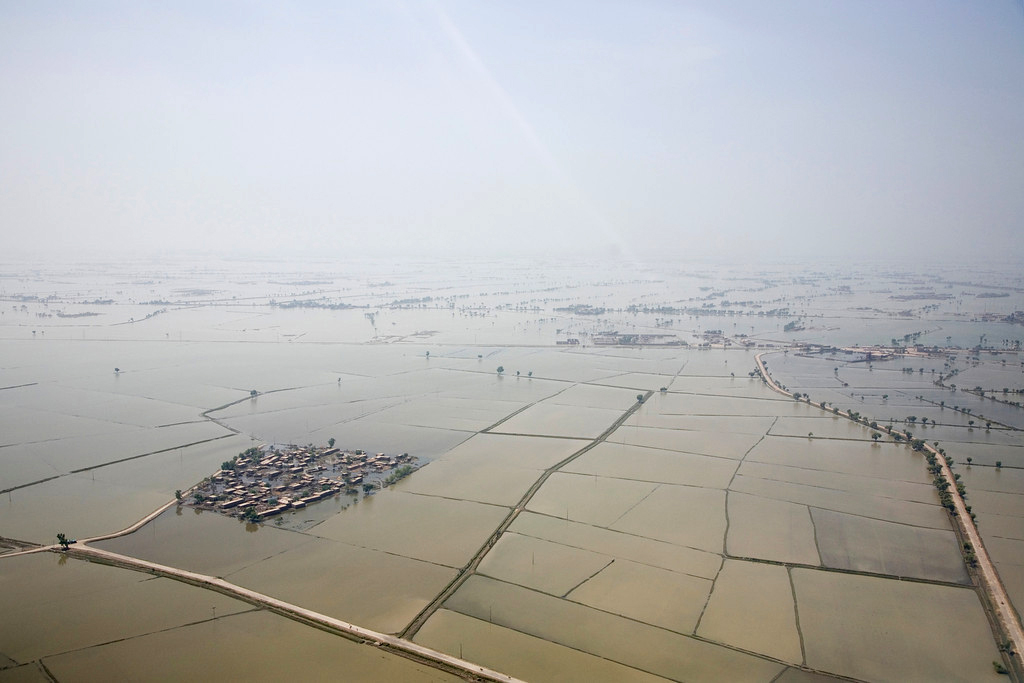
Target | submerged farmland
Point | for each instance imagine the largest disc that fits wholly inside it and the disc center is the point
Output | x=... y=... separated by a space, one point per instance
x=578 y=511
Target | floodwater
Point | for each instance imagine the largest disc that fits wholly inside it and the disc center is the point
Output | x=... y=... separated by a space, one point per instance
x=722 y=531
x=977 y=430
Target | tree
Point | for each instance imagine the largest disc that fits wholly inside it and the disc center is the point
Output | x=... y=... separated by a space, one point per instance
x=177 y=495
x=999 y=464
x=253 y=393
x=969 y=460
x=876 y=436
x=501 y=369
x=117 y=371
x=639 y=398
x=330 y=442
x=63 y=540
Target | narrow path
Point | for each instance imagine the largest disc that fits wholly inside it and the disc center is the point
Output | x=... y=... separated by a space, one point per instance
x=383 y=640
x=474 y=562
x=1005 y=615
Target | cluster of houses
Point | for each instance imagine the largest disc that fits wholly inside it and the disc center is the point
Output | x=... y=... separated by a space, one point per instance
x=265 y=481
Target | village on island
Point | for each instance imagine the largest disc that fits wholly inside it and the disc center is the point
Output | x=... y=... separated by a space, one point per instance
x=267 y=480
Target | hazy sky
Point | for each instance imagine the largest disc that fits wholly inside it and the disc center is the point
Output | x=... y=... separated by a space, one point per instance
x=671 y=129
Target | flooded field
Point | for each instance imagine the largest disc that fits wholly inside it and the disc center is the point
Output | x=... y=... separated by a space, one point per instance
x=968 y=402
x=601 y=511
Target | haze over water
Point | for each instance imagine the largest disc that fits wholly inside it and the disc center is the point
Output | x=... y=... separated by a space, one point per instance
x=537 y=247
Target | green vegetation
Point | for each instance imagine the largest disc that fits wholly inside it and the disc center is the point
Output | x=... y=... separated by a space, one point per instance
x=63 y=540
x=399 y=474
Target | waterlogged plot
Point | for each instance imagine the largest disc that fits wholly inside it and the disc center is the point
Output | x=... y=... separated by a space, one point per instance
x=61 y=456
x=520 y=655
x=888 y=461
x=448 y=413
x=987 y=454
x=257 y=645
x=617 y=544
x=876 y=507
x=439 y=530
x=639 y=381
x=491 y=468
x=378 y=590
x=549 y=419
x=648 y=594
x=684 y=515
x=919 y=492
x=722 y=445
x=751 y=607
x=475 y=480
x=887 y=630
x=99 y=400
x=625 y=641
x=872 y=545
x=77 y=504
x=770 y=529
x=204 y=542
x=822 y=426
x=703 y=364
x=696 y=404
x=801 y=676
x=26 y=673
x=591 y=499
x=650 y=416
x=542 y=565
x=622 y=461
x=594 y=396
x=1000 y=526
x=743 y=387
x=531 y=452
x=52 y=604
